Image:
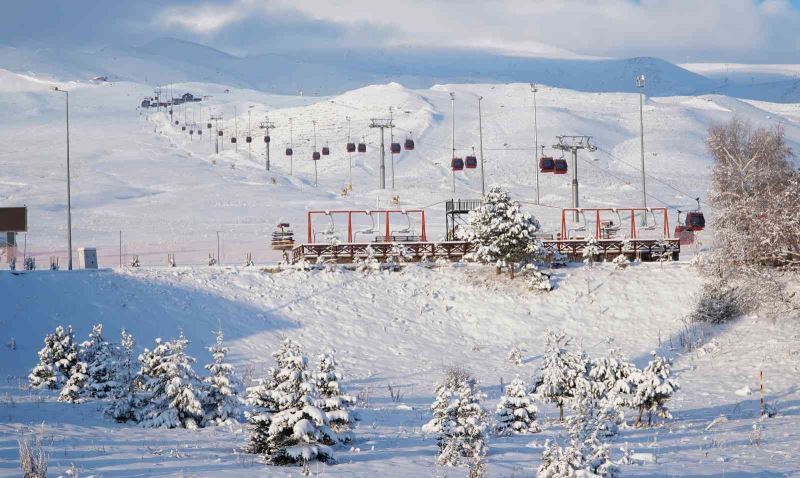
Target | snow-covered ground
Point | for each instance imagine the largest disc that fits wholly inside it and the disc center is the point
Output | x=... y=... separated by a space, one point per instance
x=134 y=172
x=401 y=329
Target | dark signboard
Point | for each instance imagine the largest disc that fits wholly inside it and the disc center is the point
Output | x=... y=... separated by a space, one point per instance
x=13 y=219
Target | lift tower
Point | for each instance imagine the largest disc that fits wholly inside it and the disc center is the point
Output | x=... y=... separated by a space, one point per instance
x=382 y=123
x=573 y=144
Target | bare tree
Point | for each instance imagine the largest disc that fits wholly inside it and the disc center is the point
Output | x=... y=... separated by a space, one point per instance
x=756 y=193
x=32 y=459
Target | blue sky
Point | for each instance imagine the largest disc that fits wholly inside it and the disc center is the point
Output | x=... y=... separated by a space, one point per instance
x=757 y=31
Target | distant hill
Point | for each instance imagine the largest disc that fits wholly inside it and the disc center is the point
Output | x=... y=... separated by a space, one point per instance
x=332 y=71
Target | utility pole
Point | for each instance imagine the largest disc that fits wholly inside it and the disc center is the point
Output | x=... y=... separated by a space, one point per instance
x=480 y=136
x=349 y=154
x=453 y=114
x=382 y=123
x=391 y=142
x=573 y=144
x=535 y=140
x=216 y=119
x=266 y=125
x=69 y=191
x=291 y=146
x=640 y=85
x=314 y=122
x=236 y=129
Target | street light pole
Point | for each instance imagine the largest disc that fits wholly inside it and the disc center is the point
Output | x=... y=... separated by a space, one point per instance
x=535 y=140
x=69 y=192
x=480 y=138
x=640 y=85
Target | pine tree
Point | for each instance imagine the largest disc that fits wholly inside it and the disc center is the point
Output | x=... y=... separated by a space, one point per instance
x=500 y=232
x=56 y=360
x=336 y=404
x=172 y=388
x=459 y=420
x=610 y=378
x=74 y=388
x=653 y=388
x=262 y=407
x=297 y=432
x=101 y=361
x=221 y=402
x=586 y=455
x=123 y=404
x=591 y=251
x=561 y=373
x=516 y=413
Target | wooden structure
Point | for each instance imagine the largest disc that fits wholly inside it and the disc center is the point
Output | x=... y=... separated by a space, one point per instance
x=381 y=241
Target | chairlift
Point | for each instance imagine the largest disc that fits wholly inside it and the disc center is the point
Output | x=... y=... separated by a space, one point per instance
x=371 y=229
x=546 y=164
x=183 y=128
x=649 y=225
x=326 y=150
x=315 y=156
x=248 y=139
x=191 y=132
x=408 y=230
x=208 y=125
x=219 y=133
x=362 y=147
x=560 y=166
x=351 y=147
x=199 y=132
x=457 y=164
x=267 y=139
x=409 y=144
x=395 y=148
x=233 y=139
x=580 y=227
x=289 y=151
x=609 y=229
x=330 y=232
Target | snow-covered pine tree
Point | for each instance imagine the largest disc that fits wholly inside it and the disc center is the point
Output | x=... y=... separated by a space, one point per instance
x=123 y=404
x=298 y=432
x=56 y=360
x=336 y=404
x=516 y=413
x=101 y=362
x=262 y=406
x=587 y=454
x=173 y=389
x=611 y=377
x=562 y=371
x=538 y=280
x=653 y=388
x=221 y=401
x=76 y=384
x=591 y=251
x=501 y=233
x=459 y=420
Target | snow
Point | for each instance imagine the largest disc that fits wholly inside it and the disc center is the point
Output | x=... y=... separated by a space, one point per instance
x=137 y=174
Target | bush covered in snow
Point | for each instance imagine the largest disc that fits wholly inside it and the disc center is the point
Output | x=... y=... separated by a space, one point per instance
x=561 y=371
x=501 y=233
x=717 y=303
x=653 y=387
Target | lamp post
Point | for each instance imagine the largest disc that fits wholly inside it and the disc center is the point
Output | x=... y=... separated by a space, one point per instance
x=535 y=140
x=69 y=193
x=640 y=85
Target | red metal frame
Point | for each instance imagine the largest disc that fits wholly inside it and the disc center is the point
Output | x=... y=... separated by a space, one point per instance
x=387 y=219
x=631 y=210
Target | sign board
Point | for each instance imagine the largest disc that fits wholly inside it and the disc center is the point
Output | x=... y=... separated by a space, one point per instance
x=13 y=219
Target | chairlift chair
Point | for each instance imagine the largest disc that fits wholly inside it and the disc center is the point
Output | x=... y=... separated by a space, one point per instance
x=609 y=228
x=248 y=139
x=546 y=164
x=267 y=139
x=649 y=225
x=331 y=232
x=219 y=133
x=580 y=227
x=233 y=139
x=326 y=150
x=315 y=156
x=370 y=230
x=183 y=128
x=289 y=151
x=408 y=230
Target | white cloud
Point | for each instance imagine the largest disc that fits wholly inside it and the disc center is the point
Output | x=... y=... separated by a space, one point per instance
x=674 y=29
